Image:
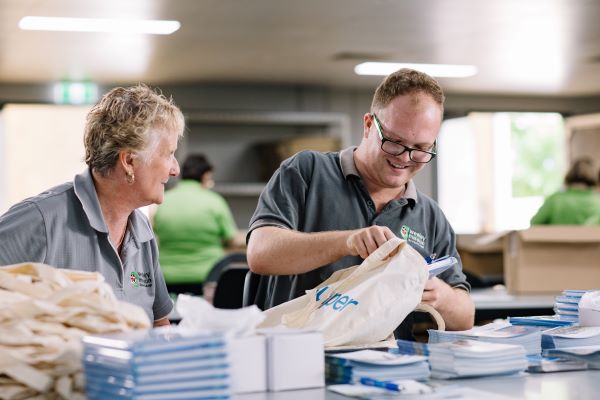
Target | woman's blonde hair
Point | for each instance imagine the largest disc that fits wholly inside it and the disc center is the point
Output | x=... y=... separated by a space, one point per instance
x=123 y=119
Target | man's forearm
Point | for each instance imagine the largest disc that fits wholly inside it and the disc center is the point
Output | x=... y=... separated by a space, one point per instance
x=460 y=313
x=278 y=251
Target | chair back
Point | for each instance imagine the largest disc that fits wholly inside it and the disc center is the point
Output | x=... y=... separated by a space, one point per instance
x=229 y=291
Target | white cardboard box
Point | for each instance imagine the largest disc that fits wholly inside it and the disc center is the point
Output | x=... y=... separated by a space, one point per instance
x=248 y=363
x=295 y=359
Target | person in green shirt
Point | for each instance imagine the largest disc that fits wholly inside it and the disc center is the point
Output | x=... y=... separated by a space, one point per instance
x=578 y=203
x=193 y=225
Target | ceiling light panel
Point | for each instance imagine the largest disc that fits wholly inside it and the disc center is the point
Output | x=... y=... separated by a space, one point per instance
x=125 y=26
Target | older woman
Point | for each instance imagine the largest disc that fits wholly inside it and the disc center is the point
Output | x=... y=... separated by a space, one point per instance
x=92 y=223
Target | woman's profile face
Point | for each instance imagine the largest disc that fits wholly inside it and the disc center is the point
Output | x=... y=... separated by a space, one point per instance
x=152 y=175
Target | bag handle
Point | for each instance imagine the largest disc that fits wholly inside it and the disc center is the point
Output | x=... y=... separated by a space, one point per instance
x=435 y=315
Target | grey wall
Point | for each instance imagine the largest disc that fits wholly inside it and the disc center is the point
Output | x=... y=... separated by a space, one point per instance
x=225 y=146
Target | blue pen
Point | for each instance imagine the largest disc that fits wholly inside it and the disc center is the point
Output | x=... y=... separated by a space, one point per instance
x=381 y=384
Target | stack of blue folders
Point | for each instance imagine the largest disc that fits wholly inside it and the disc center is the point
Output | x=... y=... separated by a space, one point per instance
x=527 y=336
x=378 y=365
x=468 y=358
x=566 y=306
x=157 y=364
x=571 y=336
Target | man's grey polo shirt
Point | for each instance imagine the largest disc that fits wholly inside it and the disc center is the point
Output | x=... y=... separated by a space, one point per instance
x=316 y=192
x=64 y=227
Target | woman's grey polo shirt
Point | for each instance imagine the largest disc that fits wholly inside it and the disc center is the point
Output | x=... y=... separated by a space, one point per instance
x=316 y=192
x=64 y=227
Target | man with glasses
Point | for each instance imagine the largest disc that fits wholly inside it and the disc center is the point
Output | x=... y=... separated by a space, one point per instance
x=320 y=212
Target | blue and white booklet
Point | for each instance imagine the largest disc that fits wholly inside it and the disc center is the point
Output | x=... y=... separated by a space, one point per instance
x=567 y=304
x=585 y=354
x=159 y=364
x=550 y=321
x=351 y=367
x=470 y=358
x=438 y=266
x=541 y=363
x=571 y=336
x=527 y=336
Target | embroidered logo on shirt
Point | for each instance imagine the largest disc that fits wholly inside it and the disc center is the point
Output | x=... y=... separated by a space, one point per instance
x=135 y=279
x=143 y=279
x=412 y=237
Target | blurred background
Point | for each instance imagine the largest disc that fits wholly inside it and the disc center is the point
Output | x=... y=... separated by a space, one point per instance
x=259 y=80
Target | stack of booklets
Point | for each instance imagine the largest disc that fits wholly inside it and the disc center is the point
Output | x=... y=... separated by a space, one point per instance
x=541 y=363
x=589 y=355
x=571 y=336
x=527 y=336
x=468 y=358
x=546 y=321
x=566 y=306
x=156 y=364
x=353 y=366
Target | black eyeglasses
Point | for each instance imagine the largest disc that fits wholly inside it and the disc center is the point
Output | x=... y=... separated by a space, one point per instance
x=395 y=149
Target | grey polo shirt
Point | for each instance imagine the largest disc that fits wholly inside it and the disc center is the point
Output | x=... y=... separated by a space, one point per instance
x=64 y=227
x=316 y=192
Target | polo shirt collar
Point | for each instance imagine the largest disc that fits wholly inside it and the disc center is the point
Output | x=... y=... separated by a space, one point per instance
x=349 y=168
x=85 y=190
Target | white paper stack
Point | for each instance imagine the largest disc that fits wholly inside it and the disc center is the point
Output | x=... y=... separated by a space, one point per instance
x=470 y=358
x=379 y=365
x=157 y=364
x=571 y=336
x=527 y=336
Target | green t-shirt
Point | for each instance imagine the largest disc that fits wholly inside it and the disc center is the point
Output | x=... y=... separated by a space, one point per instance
x=191 y=225
x=573 y=206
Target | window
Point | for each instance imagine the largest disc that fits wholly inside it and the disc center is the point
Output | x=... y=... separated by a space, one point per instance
x=494 y=169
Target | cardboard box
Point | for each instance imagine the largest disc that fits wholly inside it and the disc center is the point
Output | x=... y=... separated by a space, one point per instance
x=551 y=258
x=271 y=154
x=482 y=254
x=295 y=359
x=248 y=364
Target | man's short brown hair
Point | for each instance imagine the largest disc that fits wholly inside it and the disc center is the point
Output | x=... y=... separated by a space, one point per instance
x=406 y=81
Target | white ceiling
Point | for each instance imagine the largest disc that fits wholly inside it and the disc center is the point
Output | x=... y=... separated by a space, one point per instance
x=536 y=47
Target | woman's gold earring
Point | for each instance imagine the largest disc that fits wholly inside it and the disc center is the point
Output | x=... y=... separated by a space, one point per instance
x=130 y=177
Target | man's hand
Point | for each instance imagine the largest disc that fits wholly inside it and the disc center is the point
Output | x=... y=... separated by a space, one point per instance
x=454 y=304
x=437 y=293
x=365 y=241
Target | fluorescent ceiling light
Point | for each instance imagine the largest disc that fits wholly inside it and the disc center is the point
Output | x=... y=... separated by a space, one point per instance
x=439 y=70
x=148 y=26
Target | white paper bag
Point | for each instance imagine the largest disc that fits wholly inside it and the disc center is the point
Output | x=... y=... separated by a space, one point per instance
x=362 y=304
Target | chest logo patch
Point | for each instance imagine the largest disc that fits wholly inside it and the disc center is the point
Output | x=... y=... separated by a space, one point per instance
x=412 y=237
x=135 y=279
x=143 y=279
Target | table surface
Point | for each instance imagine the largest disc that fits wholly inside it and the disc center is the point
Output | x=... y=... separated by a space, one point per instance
x=499 y=298
x=574 y=385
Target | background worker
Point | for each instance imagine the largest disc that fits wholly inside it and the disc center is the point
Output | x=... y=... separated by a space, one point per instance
x=193 y=225
x=578 y=203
